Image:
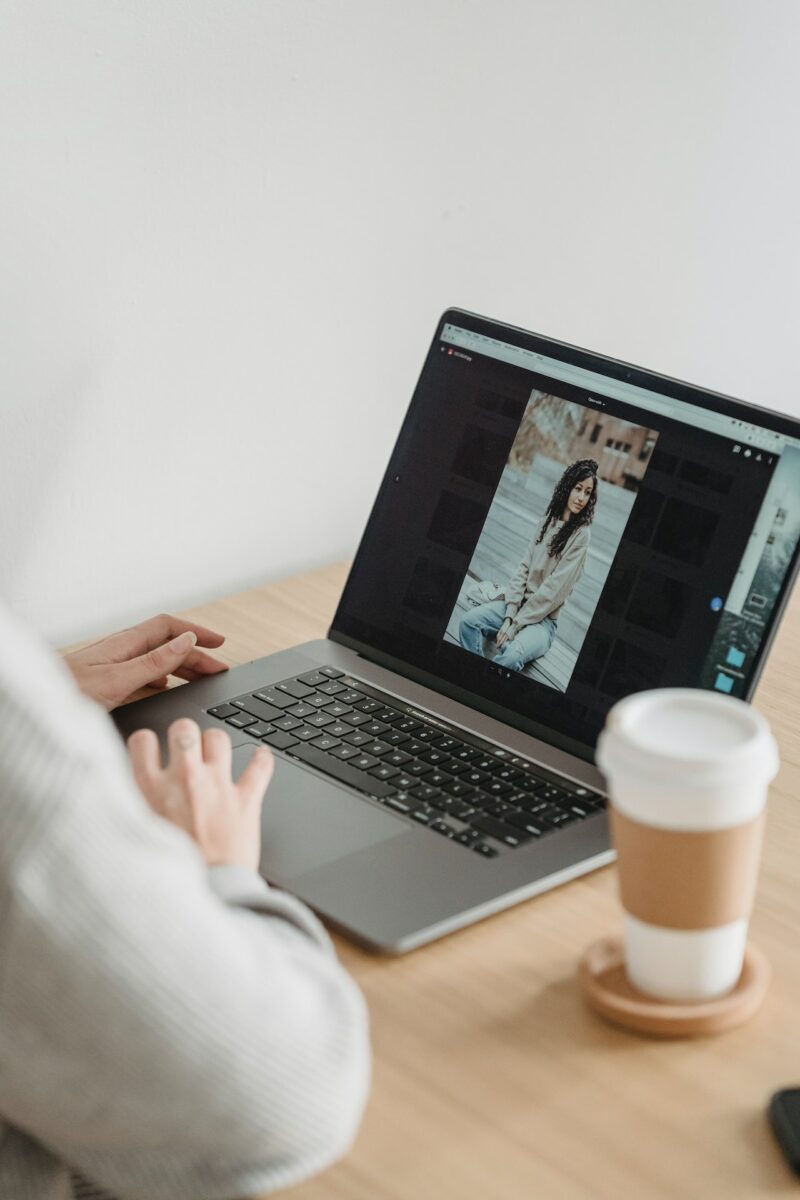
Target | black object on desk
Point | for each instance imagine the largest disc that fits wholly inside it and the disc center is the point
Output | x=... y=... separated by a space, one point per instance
x=784 y=1115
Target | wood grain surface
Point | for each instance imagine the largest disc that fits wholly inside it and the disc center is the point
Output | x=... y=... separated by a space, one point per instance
x=492 y=1079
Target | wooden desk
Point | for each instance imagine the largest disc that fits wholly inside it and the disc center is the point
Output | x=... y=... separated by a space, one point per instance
x=491 y=1078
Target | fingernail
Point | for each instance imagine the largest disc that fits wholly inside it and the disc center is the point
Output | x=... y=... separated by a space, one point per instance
x=184 y=642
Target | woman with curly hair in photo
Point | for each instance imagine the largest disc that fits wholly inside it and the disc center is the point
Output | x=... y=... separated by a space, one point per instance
x=525 y=619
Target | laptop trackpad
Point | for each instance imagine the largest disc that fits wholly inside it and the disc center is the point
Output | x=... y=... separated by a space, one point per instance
x=308 y=821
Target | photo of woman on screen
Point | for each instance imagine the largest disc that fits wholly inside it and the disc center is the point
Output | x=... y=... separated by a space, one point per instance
x=524 y=620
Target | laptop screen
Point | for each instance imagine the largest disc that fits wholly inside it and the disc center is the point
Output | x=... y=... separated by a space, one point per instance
x=556 y=530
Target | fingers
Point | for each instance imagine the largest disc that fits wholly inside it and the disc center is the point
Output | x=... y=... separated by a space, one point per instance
x=185 y=746
x=145 y=757
x=148 y=635
x=218 y=749
x=162 y=628
x=155 y=664
x=254 y=780
x=198 y=665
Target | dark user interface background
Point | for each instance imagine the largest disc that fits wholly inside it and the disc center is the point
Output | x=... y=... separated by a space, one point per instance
x=654 y=623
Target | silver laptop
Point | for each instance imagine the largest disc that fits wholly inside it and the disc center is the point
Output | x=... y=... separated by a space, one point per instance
x=555 y=530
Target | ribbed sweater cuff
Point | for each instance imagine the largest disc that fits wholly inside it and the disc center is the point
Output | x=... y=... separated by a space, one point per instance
x=242 y=888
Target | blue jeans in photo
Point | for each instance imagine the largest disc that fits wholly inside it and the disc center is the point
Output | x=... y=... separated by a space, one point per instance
x=531 y=642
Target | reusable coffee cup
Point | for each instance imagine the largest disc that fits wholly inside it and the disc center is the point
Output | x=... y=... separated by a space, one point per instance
x=688 y=773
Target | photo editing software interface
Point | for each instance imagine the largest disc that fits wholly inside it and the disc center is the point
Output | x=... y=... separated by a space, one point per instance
x=550 y=539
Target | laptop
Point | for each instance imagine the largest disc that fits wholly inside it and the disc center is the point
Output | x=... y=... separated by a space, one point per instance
x=555 y=530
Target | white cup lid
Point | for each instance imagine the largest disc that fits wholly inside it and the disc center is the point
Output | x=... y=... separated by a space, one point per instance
x=685 y=732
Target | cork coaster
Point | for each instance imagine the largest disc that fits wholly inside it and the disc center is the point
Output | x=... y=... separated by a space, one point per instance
x=607 y=990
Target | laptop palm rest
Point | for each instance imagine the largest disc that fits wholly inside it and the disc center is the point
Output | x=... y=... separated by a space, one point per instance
x=309 y=822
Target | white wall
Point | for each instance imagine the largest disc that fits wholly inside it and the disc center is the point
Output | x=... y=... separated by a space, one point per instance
x=227 y=229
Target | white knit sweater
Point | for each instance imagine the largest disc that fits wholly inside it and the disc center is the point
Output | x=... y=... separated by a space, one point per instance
x=167 y=1031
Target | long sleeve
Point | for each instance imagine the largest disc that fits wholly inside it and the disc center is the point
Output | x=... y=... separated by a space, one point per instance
x=516 y=588
x=554 y=590
x=168 y=1031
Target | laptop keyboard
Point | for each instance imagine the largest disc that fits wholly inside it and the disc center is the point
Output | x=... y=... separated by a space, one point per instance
x=483 y=797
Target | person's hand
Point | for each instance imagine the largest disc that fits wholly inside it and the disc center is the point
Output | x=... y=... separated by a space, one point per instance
x=195 y=790
x=504 y=633
x=110 y=670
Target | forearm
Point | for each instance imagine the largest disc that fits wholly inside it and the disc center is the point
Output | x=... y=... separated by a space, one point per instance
x=210 y=1049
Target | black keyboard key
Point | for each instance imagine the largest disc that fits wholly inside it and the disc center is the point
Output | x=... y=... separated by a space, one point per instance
x=401 y=802
x=376 y=747
x=414 y=747
x=331 y=688
x=388 y=715
x=530 y=784
x=436 y=778
x=338 y=729
x=357 y=738
x=498 y=808
x=434 y=757
x=424 y=815
x=510 y=834
x=319 y=720
x=458 y=808
x=259 y=730
x=488 y=764
x=376 y=728
x=278 y=699
x=418 y=768
x=528 y=823
x=325 y=742
x=468 y=837
x=301 y=710
x=496 y=787
x=453 y=825
x=445 y=742
x=509 y=774
x=582 y=810
x=486 y=850
x=357 y=719
x=241 y=720
x=456 y=788
x=466 y=754
x=257 y=708
x=476 y=778
x=329 y=764
x=222 y=711
x=440 y=827
x=367 y=705
x=344 y=752
x=287 y=723
x=281 y=740
x=364 y=761
x=426 y=733
x=305 y=733
x=338 y=710
x=349 y=697
x=397 y=758
x=408 y=725
x=456 y=767
x=313 y=678
x=292 y=688
x=403 y=781
x=331 y=672
x=318 y=700
x=423 y=792
x=384 y=771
